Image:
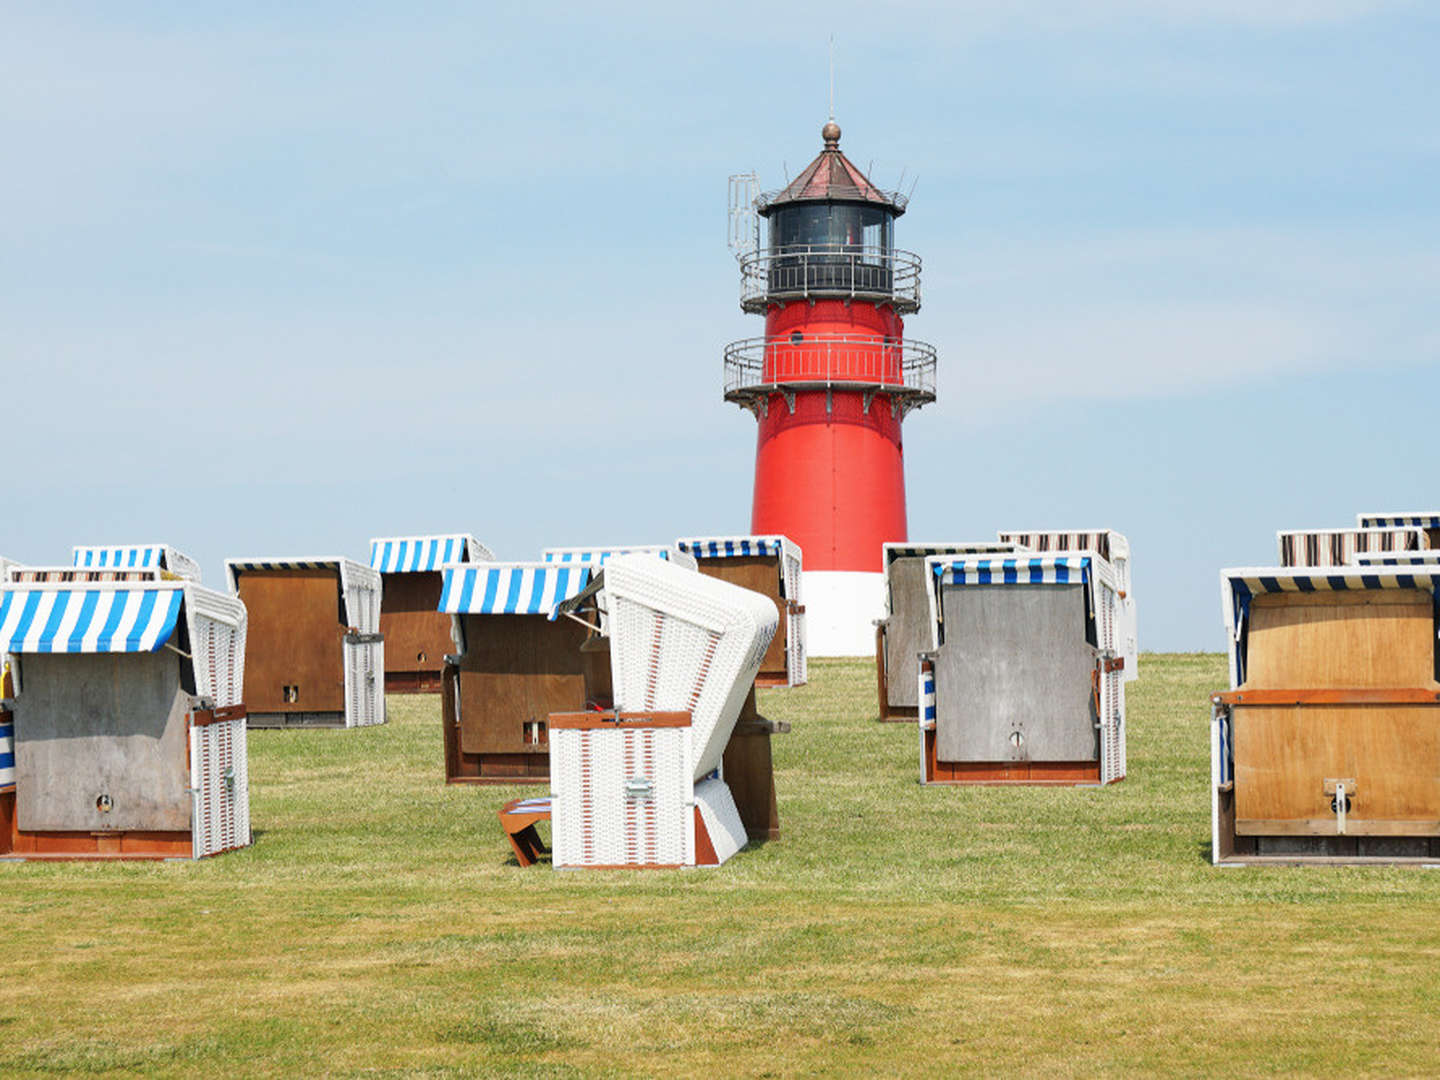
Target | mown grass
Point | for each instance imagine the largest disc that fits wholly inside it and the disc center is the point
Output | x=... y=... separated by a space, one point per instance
x=379 y=926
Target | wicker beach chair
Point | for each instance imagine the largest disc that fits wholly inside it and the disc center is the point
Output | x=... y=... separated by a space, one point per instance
x=1326 y=747
x=127 y=736
x=416 y=632
x=317 y=657
x=641 y=785
x=1023 y=683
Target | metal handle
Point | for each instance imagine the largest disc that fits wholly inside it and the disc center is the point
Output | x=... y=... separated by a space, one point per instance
x=638 y=787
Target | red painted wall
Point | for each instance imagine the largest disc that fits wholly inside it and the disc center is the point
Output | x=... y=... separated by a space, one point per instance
x=833 y=481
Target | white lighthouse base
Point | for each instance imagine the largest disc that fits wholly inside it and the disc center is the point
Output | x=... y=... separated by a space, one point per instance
x=840 y=611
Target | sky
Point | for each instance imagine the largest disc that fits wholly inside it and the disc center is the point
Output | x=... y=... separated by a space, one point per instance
x=275 y=279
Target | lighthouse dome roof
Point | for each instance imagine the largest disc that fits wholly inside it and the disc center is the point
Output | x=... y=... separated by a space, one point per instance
x=831 y=177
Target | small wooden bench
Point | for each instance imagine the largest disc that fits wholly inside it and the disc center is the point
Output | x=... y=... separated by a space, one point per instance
x=518 y=819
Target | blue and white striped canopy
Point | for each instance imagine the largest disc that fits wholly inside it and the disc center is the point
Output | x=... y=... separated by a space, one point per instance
x=1429 y=557
x=1016 y=570
x=1399 y=521
x=139 y=556
x=415 y=554
x=88 y=620
x=599 y=556
x=728 y=547
x=510 y=588
x=7 y=755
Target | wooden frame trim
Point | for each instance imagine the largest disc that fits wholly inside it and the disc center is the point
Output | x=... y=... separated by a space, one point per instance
x=610 y=720
x=206 y=717
x=1379 y=696
x=1325 y=826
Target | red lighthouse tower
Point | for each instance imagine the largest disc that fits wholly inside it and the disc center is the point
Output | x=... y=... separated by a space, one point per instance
x=830 y=384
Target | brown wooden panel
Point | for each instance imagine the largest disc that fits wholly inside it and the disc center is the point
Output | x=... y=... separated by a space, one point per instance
x=1375 y=638
x=759 y=573
x=417 y=635
x=999 y=773
x=1284 y=755
x=750 y=773
x=7 y=821
x=516 y=669
x=295 y=639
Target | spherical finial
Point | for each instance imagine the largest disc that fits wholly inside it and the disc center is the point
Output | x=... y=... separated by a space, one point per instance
x=831 y=134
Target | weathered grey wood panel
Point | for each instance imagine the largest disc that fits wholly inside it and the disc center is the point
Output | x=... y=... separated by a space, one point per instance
x=908 y=631
x=97 y=725
x=1012 y=680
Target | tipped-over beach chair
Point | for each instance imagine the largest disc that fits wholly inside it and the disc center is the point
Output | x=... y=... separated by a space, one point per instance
x=513 y=666
x=416 y=632
x=139 y=557
x=903 y=632
x=316 y=655
x=641 y=785
x=127 y=730
x=1326 y=747
x=1339 y=547
x=1023 y=683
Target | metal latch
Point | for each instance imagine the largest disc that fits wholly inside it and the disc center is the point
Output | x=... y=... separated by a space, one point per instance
x=1341 y=791
x=229 y=779
x=638 y=787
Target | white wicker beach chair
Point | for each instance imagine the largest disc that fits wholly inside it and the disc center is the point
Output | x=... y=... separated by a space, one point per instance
x=641 y=786
x=1024 y=682
x=297 y=631
x=1326 y=746
x=417 y=635
x=128 y=723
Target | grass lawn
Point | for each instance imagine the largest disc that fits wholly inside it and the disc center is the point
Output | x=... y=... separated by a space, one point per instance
x=379 y=925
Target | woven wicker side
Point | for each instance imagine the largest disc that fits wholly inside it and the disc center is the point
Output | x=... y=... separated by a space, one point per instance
x=364 y=682
x=220 y=778
x=721 y=817
x=792 y=569
x=217 y=625
x=621 y=797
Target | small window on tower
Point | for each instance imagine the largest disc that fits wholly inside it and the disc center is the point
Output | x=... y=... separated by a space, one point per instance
x=796 y=337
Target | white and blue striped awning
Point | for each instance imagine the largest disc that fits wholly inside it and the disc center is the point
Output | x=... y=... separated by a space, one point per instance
x=510 y=588
x=416 y=554
x=1016 y=570
x=88 y=619
x=598 y=556
x=1400 y=521
x=1430 y=557
x=730 y=547
x=138 y=556
x=7 y=755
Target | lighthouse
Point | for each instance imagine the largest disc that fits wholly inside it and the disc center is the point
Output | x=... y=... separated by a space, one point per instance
x=831 y=381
